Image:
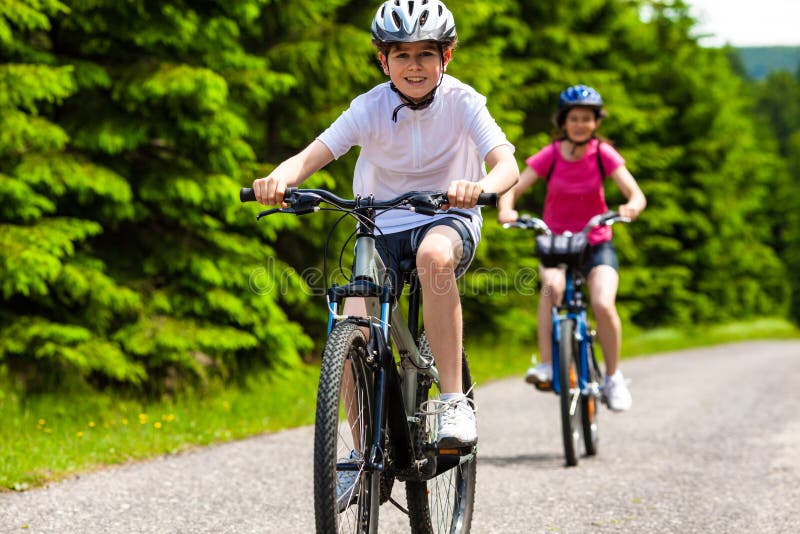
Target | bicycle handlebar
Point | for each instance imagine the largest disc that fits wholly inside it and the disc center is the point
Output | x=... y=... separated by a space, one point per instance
x=306 y=200
x=534 y=223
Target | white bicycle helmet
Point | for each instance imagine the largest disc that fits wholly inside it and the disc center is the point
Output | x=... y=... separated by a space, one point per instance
x=409 y=21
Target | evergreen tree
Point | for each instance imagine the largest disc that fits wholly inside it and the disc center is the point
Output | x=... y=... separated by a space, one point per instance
x=60 y=305
x=778 y=106
x=128 y=257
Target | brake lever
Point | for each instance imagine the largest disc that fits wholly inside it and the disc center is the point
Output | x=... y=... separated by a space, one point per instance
x=273 y=210
x=300 y=203
x=426 y=203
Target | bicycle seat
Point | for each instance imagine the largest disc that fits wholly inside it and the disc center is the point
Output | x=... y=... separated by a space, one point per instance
x=407 y=265
x=408 y=268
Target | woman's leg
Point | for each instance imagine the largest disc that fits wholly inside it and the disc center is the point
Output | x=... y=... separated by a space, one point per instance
x=553 y=282
x=603 y=283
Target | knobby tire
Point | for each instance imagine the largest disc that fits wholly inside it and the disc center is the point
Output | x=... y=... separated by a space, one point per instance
x=590 y=404
x=569 y=395
x=336 y=434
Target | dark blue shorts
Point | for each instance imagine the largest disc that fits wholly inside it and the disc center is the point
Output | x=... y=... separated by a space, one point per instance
x=399 y=250
x=600 y=254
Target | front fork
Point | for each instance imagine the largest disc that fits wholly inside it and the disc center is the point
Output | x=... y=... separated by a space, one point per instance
x=583 y=338
x=380 y=359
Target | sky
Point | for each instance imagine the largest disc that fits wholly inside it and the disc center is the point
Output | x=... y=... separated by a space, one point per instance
x=748 y=22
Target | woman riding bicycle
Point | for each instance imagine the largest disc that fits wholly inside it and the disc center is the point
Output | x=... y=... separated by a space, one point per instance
x=421 y=130
x=574 y=167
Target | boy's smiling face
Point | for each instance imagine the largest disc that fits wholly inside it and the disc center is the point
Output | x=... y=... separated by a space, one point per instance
x=415 y=68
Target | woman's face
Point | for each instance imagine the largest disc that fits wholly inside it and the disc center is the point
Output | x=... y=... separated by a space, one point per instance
x=580 y=124
x=415 y=68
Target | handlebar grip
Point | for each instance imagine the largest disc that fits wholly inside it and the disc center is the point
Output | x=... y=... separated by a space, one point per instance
x=246 y=194
x=487 y=199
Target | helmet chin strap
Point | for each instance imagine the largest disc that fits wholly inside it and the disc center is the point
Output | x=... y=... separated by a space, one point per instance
x=576 y=144
x=408 y=102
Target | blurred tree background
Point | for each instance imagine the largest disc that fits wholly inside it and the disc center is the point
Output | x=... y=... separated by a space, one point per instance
x=126 y=129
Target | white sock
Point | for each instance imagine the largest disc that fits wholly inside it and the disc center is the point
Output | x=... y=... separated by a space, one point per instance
x=451 y=396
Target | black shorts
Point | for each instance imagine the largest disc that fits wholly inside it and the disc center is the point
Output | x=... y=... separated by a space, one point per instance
x=399 y=250
x=600 y=254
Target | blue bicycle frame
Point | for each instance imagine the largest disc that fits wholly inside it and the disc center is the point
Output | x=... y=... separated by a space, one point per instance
x=573 y=310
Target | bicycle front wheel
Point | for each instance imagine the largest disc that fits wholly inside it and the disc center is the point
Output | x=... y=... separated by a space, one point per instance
x=444 y=503
x=346 y=491
x=570 y=392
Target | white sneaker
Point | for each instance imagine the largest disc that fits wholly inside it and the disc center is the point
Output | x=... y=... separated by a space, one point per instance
x=539 y=375
x=457 y=427
x=347 y=484
x=616 y=391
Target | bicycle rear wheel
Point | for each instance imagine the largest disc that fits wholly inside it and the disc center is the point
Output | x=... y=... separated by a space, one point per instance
x=445 y=502
x=343 y=436
x=570 y=392
x=589 y=402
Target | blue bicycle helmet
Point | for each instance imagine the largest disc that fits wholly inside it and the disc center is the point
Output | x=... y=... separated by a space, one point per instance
x=578 y=96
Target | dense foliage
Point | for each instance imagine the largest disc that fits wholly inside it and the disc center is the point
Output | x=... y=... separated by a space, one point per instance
x=778 y=107
x=128 y=127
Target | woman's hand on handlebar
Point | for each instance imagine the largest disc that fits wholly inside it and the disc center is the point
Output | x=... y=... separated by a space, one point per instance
x=270 y=190
x=463 y=194
x=629 y=211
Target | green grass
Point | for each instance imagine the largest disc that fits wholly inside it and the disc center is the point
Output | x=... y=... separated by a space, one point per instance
x=49 y=437
x=670 y=339
x=489 y=361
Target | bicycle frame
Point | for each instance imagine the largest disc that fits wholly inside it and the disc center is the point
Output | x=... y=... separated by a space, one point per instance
x=573 y=309
x=387 y=325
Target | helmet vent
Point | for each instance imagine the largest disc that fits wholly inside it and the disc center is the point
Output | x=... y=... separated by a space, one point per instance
x=396 y=18
x=423 y=18
x=411 y=7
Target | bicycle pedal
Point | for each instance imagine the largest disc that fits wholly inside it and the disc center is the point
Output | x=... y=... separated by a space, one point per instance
x=455 y=451
x=544 y=386
x=592 y=389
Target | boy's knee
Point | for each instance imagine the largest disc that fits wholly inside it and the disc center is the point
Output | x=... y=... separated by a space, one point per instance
x=435 y=256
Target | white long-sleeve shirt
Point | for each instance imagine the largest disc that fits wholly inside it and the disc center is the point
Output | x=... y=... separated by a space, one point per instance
x=424 y=150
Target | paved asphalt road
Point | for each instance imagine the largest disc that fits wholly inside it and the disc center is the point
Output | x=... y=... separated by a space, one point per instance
x=712 y=444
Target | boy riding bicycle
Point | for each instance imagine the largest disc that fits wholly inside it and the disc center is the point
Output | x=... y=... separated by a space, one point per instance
x=422 y=130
